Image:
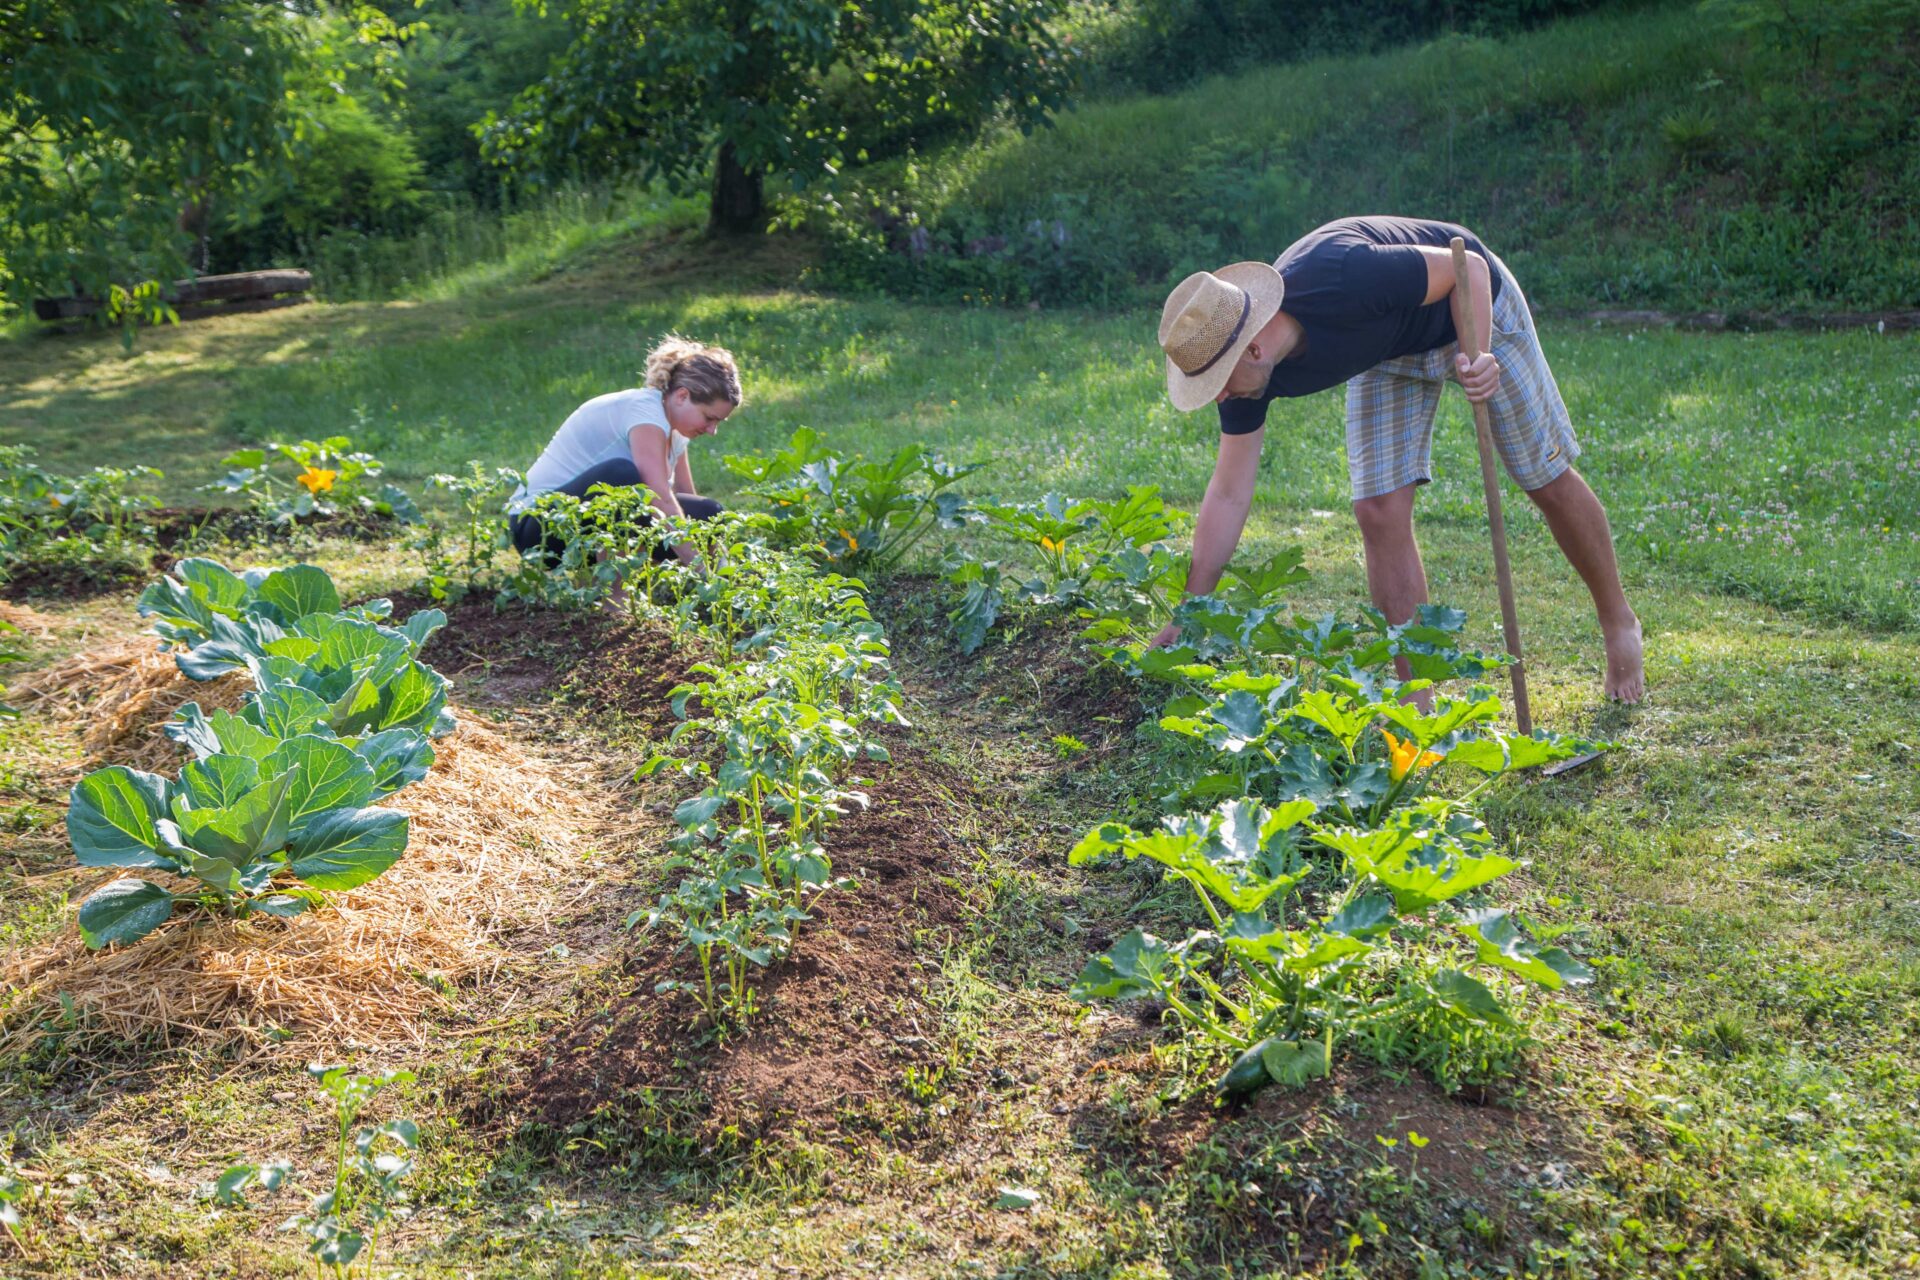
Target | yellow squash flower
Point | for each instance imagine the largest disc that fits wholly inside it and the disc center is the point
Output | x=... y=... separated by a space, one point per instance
x=1405 y=757
x=1048 y=544
x=853 y=543
x=316 y=480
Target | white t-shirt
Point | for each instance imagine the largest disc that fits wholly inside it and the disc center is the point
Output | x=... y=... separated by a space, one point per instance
x=594 y=433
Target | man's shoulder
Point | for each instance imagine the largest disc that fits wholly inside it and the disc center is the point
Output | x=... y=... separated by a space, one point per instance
x=1329 y=237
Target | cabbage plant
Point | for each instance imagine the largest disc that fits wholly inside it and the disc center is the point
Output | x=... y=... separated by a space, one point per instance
x=247 y=834
x=198 y=590
x=276 y=807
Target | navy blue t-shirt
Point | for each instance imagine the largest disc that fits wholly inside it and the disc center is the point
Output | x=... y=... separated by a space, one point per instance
x=1358 y=288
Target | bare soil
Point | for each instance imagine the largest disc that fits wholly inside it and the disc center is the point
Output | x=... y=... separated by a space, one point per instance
x=621 y=673
x=840 y=1022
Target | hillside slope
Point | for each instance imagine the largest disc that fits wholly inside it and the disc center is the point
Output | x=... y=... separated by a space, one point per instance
x=1672 y=156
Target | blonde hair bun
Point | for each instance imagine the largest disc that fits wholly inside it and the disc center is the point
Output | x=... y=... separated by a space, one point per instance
x=708 y=373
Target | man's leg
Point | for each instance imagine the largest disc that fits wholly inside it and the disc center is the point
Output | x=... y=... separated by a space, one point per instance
x=1396 y=579
x=1579 y=525
x=1535 y=437
x=1390 y=412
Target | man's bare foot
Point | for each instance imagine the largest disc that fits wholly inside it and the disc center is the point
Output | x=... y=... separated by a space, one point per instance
x=1626 y=671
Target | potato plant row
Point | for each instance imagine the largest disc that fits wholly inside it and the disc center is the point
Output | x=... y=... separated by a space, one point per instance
x=786 y=720
x=276 y=807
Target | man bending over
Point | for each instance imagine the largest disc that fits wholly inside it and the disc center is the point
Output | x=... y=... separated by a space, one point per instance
x=1373 y=302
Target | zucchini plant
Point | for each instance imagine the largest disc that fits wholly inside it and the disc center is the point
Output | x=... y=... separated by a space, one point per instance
x=326 y=472
x=1284 y=968
x=1091 y=554
x=865 y=515
x=91 y=527
x=1325 y=825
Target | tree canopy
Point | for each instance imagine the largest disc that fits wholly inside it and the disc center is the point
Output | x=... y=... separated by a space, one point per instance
x=125 y=123
x=736 y=90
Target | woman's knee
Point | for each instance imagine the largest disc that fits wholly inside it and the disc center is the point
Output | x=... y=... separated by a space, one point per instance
x=698 y=507
x=618 y=472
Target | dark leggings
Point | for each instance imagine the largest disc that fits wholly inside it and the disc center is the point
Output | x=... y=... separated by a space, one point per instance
x=620 y=473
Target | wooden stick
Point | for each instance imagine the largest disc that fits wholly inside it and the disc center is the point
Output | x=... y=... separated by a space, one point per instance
x=1490 y=481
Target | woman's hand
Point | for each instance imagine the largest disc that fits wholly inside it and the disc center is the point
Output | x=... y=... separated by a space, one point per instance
x=1168 y=634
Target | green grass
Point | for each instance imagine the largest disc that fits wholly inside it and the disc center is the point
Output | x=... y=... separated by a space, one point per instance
x=1646 y=156
x=464 y=249
x=1785 y=468
x=1732 y=1099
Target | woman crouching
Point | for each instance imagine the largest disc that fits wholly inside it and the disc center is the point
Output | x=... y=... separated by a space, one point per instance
x=638 y=436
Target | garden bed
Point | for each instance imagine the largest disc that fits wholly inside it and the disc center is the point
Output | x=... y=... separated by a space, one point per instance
x=499 y=829
x=841 y=1022
x=176 y=526
x=176 y=533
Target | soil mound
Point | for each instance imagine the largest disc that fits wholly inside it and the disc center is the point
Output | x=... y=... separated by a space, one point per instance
x=1311 y=1151
x=497 y=834
x=840 y=1021
x=1044 y=666
x=516 y=657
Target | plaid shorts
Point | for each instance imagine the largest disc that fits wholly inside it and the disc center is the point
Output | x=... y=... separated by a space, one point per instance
x=1390 y=409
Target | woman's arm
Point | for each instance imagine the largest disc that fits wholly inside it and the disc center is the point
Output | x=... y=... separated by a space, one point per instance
x=648 y=445
x=1222 y=517
x=683 y=477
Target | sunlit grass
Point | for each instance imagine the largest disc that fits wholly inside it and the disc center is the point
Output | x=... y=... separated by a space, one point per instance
x=1782 y=467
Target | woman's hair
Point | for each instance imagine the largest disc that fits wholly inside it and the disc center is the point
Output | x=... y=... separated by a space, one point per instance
x=708 y=373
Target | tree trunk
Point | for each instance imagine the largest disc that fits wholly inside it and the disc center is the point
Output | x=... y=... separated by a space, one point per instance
x=738 y=203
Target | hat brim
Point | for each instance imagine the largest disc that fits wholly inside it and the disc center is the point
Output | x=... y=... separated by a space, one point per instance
x=1265 y=288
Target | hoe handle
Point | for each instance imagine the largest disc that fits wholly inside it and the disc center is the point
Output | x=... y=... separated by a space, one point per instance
x=1490 y=481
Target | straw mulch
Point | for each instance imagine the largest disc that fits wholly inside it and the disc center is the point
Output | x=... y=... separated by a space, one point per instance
x=31 y=621
x=118 y=698
x=494 y=852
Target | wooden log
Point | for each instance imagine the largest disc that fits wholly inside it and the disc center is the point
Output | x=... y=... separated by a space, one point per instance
x=237 y=286
x=241 y=284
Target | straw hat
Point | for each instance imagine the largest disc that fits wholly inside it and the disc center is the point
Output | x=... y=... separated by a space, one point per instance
x=1209 y=319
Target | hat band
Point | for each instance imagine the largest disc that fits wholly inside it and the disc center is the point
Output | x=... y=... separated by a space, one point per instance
x=1246 y=308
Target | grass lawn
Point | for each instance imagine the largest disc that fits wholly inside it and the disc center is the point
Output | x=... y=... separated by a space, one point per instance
x=1733 y=1097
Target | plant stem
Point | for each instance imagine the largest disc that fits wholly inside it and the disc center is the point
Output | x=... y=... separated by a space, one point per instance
x=1203 y=1023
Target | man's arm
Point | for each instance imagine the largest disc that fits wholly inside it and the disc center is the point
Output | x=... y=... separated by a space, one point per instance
x=1223 y=516
x=1482 y=378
